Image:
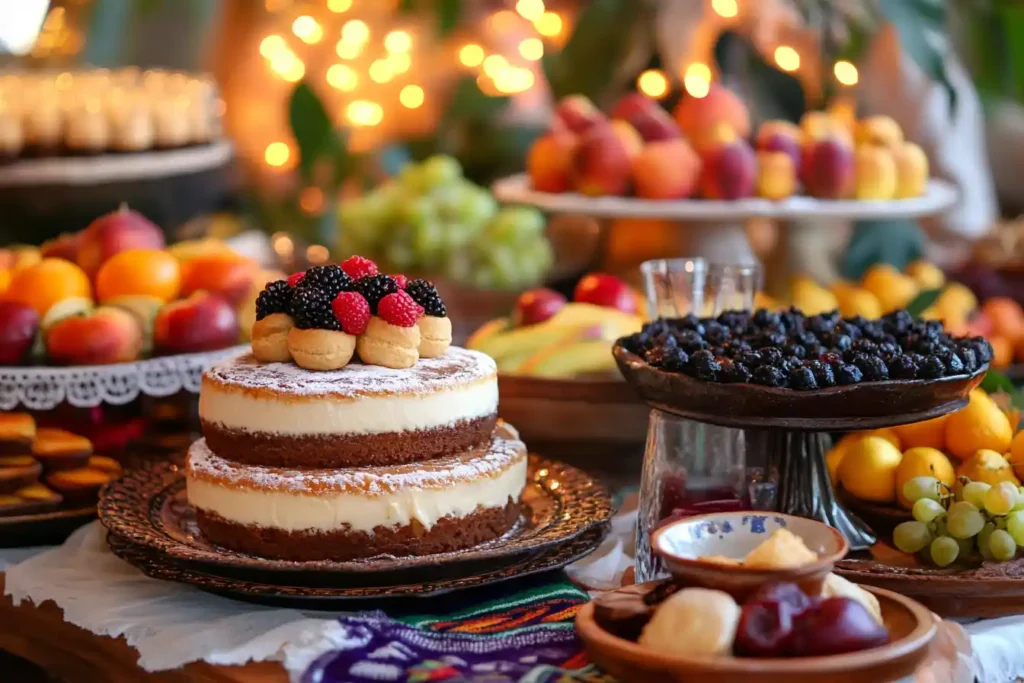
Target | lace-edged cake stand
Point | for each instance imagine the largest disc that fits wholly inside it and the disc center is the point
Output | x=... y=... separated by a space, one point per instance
x=87 y=386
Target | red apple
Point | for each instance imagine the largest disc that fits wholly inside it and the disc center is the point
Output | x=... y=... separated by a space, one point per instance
x=201 y=322
x=577 y=114
x=536 y=306
x=115 y=232
x=632 y=104
x=63 y=246
x=104 y=335
x=18 y=326
x=605 y=290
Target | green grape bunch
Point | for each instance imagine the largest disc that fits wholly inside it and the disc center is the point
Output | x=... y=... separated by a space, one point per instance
x=951 y=523
x=430 y=220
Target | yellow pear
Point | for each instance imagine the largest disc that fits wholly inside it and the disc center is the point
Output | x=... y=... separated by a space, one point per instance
x=988 y=466
x=812 y=298
x=928 y=275
x=868 y=470
x=922 y=461
x=893 y=289
x=981 y=425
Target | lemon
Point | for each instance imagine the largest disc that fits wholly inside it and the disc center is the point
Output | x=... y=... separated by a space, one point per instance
x=928 y=275
x=893 y=289
x=888 y=434
x=858 y=301
x=928 y=433
x=868 y=470
x=835 y=455
x=922 y=461
x=988 y=466
x=1017 y=454
x=811 y=298
x=981 y=425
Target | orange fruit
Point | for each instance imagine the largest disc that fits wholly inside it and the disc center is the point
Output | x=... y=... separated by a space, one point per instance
x=5 y=279
x=1006 y=316
x=931 y=433
x=1002 y=351
x=48 y=282
x=139 y=272
x=979 y=426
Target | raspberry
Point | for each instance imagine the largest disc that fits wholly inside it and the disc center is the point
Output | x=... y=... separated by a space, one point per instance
x=399 y=309
x=400 y=280
x=358 y=266
x=295 y=278
x=352 y=311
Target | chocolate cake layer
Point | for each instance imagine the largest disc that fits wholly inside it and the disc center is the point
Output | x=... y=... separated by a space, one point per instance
x=346 y=450
x=448 y=534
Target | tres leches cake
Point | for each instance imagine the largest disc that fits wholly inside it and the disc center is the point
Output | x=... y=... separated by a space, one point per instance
x=353 y=429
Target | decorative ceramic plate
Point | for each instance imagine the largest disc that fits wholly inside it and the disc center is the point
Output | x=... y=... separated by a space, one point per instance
x=911 y=629
x=43 y=528
x=938 y=196
x=868 y=405
x=258 y=590
x=148 y=507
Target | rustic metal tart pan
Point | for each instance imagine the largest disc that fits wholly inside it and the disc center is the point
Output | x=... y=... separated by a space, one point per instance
x=148 y=508
x=868 y=405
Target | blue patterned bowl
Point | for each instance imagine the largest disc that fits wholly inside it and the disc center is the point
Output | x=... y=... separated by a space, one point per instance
x=733 y=535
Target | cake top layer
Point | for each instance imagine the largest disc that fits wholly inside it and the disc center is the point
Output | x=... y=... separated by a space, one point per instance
x=503 y=451
x=456 y=367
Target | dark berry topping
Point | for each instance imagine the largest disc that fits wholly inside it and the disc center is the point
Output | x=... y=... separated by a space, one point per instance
x=374 y=288
x=931 y=368
x=705 y=366
x=769 y=376
x=675 y=360
x=902 y=367
x=735 y=373
x=276 y=297
x=311 y=310
x=968 y=358
x=872 y=367
x=823 y=374
x=655 y=357
x=802 y=379
x=331 y=280
x=771 y=355
x=848 y=374
x=425 y=294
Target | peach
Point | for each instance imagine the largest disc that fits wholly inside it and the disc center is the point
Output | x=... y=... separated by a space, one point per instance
x=698 y=116
x=730 y=167
x=911 y=170
x=776 y=175
x=878 y=130
x=114 y=232
x=827 y=169
x=667 y=169
x=202 y=322
x=633 y=104
x=655 y=125
x=843 y=111
x=1006 y=316
x=549 y=162
x=106 y=335
x=601 y=163
x=876 y=173
x=577 y=114
x=780 y=136
x=630 y=139
x=817 y=125
x=229 y=275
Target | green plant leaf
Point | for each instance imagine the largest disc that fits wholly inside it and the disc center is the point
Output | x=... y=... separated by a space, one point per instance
x=447 y=12
x=311 y=126
x=914 y=22
x=996 y=381
x=920 y=303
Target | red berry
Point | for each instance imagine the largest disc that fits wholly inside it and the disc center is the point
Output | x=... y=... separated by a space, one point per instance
x=352 y=311
x=358 y=266
x=399 y=309
x=295 y=278
x=401 y=280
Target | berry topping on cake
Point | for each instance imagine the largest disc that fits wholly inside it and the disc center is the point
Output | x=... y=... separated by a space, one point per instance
x=311 y=310
x=296 y=278
x=425 y=294
x=359 y=267
x=276 y=297
x=331 y=280
x=376 y=287
x=399 y=309
x=352 y=312
x=400 y=280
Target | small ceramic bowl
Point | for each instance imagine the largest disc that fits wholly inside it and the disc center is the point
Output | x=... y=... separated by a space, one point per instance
x=734 y=535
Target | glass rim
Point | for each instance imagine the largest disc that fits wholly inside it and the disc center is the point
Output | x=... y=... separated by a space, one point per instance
x=697 y=264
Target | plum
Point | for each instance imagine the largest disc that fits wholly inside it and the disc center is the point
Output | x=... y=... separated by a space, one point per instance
x=834 y=626
x=765 y=629
x=788 y=593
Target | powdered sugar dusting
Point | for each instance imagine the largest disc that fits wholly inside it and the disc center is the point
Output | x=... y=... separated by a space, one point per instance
x=503 y=452
x=457 y=366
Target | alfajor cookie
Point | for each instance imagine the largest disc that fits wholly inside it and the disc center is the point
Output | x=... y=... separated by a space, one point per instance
x=435 y=336
x=318 y=349
x=387 y=345
x=270 y=338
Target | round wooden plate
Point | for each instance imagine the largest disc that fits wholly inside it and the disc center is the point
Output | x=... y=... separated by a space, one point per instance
x=869 y=405
x=43 y=528
x=881 y=518
x=911 y=629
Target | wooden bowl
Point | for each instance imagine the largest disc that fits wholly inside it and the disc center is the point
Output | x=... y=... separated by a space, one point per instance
x=683 y=543
x=911 y=629
x=880 y=517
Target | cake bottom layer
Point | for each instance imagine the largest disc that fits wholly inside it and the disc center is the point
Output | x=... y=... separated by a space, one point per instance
x=446 y=535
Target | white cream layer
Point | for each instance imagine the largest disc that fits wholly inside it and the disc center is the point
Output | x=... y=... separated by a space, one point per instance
x=330 y=511
x=363 y=415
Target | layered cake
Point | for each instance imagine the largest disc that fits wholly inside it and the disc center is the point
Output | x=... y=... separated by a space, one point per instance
x=354 y=428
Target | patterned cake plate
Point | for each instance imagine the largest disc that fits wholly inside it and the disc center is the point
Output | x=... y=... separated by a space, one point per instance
x=258 y=589
x=148 y=508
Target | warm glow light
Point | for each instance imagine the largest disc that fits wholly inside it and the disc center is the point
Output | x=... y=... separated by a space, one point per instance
x=277 y=154
x=531 y=10
x=787 y=58
x=380 y=71
x=339 y=5
x=411 y=96
x=846 y=73
x=347 y=50
x=400 y=62
x=398 y=41
x=271 y=45
x=699 y=71
x=307 y=29
x=311 y=200
x=318 y=254
x=697 y=80
x=513 y=80
x=355 y=31
x=343 y=77
x=471 y=54
x=364 y=113
x=289 y=67
x=724 y=8
x=504 y=21
x=494 y=64
x=531 y=49
x=549 y=24
x=653 y=83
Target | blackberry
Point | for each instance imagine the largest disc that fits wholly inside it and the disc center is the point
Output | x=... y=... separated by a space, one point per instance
x=751 y=359
x=655 y=357
x=931 y=368
x=897 y=321
x=848 y=374
x=765 y=318
x=802 y=379
x=634 y=343
x=276 y=297
x=376 y=287
x=969 y=358
x=813 y=350
x=715 y=332
x=331 y=280
x=844 y=327
x=691 y=322
x=735 y=373
x=823 y=374
x=873 y=367
x=705 y=366
x=831 y=357
x=794 y=350
x=807 y=338
x=865 y=346
x=888 y=349
x=902 y=367
x=311 y=310
x=768 y=376
x=982 y=349
x=954 y=366
x=675 y=360
x=771 y=355
x=771 y=339
x=425 y=294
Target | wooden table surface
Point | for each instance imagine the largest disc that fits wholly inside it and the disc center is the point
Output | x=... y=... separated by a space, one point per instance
x=73 y=655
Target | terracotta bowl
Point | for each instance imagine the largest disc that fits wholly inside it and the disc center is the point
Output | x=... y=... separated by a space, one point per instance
x=733 y=535
x=911 y=628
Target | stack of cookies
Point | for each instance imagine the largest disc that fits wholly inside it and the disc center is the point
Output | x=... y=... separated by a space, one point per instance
x=43 y=468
